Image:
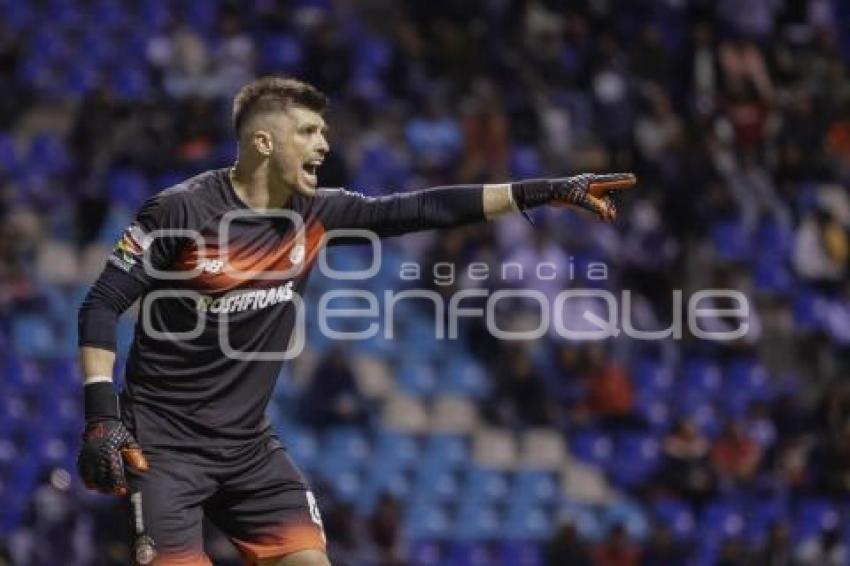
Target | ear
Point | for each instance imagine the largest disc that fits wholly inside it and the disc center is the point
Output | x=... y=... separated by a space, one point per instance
x=263 y=142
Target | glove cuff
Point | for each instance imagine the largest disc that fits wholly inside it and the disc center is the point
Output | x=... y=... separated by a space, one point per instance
x=100 y=400
x=531 y=193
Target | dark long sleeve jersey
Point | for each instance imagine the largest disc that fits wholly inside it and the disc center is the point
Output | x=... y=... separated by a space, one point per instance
x=219 y=285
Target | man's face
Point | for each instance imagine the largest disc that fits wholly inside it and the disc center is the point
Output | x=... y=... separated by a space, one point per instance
x=299 y=147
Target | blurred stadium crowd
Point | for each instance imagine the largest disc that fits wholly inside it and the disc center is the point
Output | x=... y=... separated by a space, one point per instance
x=735 y=115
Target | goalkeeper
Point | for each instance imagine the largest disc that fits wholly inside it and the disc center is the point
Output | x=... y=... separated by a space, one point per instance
x=220 y=262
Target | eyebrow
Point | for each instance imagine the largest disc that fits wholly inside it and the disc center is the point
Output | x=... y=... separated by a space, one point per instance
x=322 y=127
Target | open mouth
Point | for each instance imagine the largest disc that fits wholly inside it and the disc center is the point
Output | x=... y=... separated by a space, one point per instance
x=311 y=169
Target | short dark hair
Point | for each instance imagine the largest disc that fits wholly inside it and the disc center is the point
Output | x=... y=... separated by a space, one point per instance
x=275 y=94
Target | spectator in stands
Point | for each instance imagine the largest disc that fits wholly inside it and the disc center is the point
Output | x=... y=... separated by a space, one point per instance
x=183 y=59
x=777 y=550
x=332 y=396
x=327 y=62
x=662 y=549
x=791 y=463
x=735 y=457
x=520 y=398
x=234 y=57
x=434 y=136
x=827 y=549
x=346 y=541
x=616 y=549
x=485 y=135
x=5 y=555
x=610 y=391
x=732 y=553
x=567 y=547
x=686 y=467
x=832 y=459
x=385 y=531
x=821 y=249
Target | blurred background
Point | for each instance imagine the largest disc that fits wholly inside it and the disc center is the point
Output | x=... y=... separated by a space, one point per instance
x=735 y=114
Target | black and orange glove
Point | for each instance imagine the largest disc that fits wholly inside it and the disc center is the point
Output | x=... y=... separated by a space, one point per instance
x=596 y=193
x=107 y=444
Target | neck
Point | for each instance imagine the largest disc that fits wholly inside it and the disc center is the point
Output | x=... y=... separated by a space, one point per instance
x=254 y=187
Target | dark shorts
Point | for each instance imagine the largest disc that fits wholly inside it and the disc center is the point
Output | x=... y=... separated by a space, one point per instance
x=255 y=495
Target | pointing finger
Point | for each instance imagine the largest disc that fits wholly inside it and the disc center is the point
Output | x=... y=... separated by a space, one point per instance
x=600 y=184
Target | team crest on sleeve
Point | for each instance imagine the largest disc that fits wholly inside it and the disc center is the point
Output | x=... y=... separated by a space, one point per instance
x=130 y=247
x=296 y=256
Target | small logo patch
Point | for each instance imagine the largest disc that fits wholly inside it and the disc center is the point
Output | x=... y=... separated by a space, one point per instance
x=296 y=256
x=211 y=265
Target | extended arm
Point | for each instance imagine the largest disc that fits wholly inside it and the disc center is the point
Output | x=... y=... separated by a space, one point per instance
x=445 y=207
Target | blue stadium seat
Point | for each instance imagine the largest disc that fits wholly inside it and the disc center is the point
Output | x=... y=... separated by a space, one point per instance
x=9 y=161
x=396 y=450
x=155 y=14
x=583 y=517
x=381 y=480
x=809 y=310
x=477 y=521
x=127 y=187
x=99 y=47
x=521 y=553
x=438 y=485
x=629 y=514
x=19 y=15
x=534 y=486
x=131 y=82
x=110 y=15
x=372 y=55
x=117 y=219
x=747 y=375
x=636 y=457
x=772 y=276
x=773 y=239
x=464 y=376
x=652 y=377
x=701 y=378
x=428 y=521
x=731 y=242
x=746 y=382
x=37 y=72
x=347 y=483
x=484 y=485
x=302 y=444
x=525 y=163
x=593 y=447
x=470 y=553
x=202 y=13
x=721 y=520
x=47 y=154
x=417 y=378
x=425 y=553
x=701 y=411
x=677 y=515
x=812 y=516
x=762 y=515
x=527 y=522
x=346 y=445
x=445 y=451
x=33 y=336
x=15 y=411
x=655 y=412
x=281 y=53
